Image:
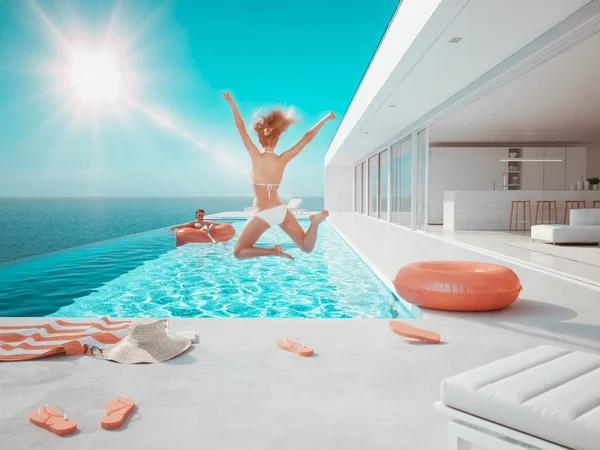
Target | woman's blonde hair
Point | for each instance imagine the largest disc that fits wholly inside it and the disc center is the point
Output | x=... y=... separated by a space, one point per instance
x=270 y=127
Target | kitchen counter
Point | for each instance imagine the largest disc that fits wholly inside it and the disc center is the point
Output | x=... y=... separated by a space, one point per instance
x=490 y=210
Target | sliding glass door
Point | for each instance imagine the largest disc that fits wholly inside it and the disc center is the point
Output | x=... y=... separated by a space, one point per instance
x=373 y=185
x=395 y=194
x=384 y=183
x=358 y=189
x=422 y=171
x=401 y=182
x=406 y=192
x=393 y=184
x=365 y=187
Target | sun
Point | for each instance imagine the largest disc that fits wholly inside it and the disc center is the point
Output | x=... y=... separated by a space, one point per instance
x=94 y=77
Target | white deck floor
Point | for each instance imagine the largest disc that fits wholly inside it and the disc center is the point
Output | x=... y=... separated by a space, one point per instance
x=366 y=388
x=499 y=242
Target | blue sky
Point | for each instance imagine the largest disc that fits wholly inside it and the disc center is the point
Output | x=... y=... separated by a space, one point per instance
x=170 y=133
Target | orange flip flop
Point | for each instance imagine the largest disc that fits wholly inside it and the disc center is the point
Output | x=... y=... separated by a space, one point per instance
x=117 y=411
x=404 y=330
x=298 y=347
x=53 y=419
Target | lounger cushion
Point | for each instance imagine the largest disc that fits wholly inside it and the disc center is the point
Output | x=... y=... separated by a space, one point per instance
x=548 y=392
x=583 y=217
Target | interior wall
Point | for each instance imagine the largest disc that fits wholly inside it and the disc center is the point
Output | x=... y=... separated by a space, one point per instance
x=339 y=188
x=477 y=168
x=593 y=160
x=461 y=169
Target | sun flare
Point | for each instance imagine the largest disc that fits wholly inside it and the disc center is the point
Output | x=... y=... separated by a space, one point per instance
x=94 y=78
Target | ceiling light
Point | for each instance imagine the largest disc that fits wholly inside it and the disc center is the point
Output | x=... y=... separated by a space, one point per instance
x=455 y=39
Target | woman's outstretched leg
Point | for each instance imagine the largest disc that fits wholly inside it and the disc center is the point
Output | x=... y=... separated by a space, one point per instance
x=244 y=245
x=304 y=240
x=207 y=230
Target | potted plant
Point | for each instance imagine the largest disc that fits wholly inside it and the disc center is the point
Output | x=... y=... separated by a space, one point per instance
x=594 y=181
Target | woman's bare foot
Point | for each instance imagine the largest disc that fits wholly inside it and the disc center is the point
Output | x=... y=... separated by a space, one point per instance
x=278 y=251
x=318 y=218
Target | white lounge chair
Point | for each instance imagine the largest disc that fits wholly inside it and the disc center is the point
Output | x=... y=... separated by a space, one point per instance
x=547 y=398
x=294 y=204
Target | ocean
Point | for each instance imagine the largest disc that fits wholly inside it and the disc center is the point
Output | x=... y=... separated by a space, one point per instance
x=34 y=226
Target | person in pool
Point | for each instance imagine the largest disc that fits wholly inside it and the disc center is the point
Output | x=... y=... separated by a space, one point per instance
x=266 y=176
x=200 y=224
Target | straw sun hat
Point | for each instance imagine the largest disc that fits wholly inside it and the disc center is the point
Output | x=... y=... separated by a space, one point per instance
x=147 y=342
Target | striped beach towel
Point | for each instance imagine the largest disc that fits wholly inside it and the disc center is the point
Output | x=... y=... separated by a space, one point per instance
x=26 y=342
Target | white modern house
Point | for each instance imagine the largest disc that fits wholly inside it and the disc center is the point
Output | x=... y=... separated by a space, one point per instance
x=469 y=110
x=455 y=90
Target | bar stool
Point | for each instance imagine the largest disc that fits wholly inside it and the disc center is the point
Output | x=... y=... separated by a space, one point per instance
x=550 y=204
x=572 y=204
x=596 y=204
x=526 y=204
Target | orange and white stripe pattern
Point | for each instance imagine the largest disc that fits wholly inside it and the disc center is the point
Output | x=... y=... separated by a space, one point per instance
x=25 y=342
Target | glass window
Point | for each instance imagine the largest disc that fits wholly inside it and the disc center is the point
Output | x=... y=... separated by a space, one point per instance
x=406 y=184
x=422 y=174
x=373 y=185
x=358 y=189
x=395 y=201
x=384 y=164
x=365 y=187
x=401 y=183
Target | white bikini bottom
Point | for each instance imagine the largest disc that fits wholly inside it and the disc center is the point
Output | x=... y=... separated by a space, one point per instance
x=273 y=216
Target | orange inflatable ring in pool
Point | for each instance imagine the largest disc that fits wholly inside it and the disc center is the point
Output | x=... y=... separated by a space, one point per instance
x=457 y=285
x=222 y=233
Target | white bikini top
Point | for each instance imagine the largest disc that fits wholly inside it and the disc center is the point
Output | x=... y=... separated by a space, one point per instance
x=269 y=186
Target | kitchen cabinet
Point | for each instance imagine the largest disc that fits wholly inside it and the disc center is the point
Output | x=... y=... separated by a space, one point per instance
x=554 y=172
x=533 y=172
x=576 y=165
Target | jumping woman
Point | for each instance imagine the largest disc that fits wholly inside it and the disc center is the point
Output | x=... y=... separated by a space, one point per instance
x=266 y=176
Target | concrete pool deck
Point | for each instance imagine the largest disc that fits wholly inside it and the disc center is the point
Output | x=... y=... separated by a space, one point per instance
x=365 y=389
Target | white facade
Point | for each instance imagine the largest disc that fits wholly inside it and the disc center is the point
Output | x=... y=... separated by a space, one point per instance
x=378 y=163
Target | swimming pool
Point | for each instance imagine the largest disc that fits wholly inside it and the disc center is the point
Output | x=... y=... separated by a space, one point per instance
x=144 y=275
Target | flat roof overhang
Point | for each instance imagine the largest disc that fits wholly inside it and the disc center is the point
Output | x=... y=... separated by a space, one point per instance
x=417 y=68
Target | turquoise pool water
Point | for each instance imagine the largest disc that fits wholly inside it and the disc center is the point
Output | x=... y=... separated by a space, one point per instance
x=144 y=275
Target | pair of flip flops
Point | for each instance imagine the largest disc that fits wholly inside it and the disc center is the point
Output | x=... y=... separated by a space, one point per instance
x=401 y=329
x=56 y=421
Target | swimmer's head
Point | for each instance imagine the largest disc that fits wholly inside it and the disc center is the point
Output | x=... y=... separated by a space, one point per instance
x=270 y=127
x=199 y=214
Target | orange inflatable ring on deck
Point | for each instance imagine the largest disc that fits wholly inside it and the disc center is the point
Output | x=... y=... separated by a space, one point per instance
x=222 y=233
x=458 y=285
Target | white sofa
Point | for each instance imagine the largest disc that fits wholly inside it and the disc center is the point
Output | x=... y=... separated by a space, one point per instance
x=545 y=398
x=584 y=228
